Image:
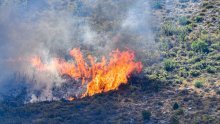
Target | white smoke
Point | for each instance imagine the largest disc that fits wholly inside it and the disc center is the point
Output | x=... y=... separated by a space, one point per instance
x=50 y=28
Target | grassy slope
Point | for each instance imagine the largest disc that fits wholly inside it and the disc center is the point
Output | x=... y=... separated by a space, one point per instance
x=191 y=73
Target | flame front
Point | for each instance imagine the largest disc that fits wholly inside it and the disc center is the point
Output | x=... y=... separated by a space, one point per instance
x=100 y=76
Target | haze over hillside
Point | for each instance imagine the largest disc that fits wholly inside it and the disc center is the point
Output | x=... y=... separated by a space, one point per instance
x=94 y=61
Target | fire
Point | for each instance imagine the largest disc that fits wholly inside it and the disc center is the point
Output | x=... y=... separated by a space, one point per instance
x=36 y=62
x=70 y=98
x=98 y=77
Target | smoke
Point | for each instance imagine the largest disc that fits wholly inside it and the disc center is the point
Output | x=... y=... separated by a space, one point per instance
x=51 y=28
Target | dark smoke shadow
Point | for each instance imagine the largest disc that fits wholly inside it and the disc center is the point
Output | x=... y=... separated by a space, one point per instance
x=104 y=107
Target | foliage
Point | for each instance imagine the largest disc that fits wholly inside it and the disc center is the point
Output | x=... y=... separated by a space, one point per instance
x=194 y=73
x=198 y=19
x=165 y=45
x=183 y=73
x=146 y=115
x=189 y=27
x=198 y=84
x=157 y=5
x=200 y=46
x=216 y=46
x=200 y=65
x=175 y=106
x=211 y=69
x=195 y=59
x=183 y=1
x=218 y=92
x=174 y=120
x=179 y=112
x=169 y=29
x=184 y=21
x=169 y=65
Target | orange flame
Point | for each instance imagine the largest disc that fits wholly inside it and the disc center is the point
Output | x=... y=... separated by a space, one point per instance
x=101 y=76
x=36 y=62
x=71 y=98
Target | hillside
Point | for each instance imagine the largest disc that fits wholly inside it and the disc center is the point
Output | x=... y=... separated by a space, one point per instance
x=182 y=86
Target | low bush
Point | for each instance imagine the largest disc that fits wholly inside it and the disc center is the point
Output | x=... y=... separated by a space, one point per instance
x=218 y=92
x=146 y=115
x=179 y=112
x=200 y=65
x=189 y=27
x=211 y=69
x=216 y=46
x=183 y=73
x=169 y=29
x=190 y=53
x=174 y=120
x=165 y=45
x=194 y=73
x=184 y=21
x=195 y=59
x=183 y=1
x=198 y=19
x=200 y=46
x=207 y=119
x=198 y=84
x=175 y=106
x=157 y=5
x=169 y=65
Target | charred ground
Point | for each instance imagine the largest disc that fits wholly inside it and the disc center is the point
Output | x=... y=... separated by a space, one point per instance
x=181 y=88
x=143 y=101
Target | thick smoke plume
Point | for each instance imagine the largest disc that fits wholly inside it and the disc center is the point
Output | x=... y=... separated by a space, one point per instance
x=51 y=28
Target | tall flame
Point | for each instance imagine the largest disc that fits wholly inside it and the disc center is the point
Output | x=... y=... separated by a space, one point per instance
x=100 y=76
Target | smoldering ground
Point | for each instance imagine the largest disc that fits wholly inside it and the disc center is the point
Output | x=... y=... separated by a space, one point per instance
x=51 y=28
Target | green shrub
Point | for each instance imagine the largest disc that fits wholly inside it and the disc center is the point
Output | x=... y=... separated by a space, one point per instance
x=169 y=65
x=216 y=57
x=194 y=1
x=200 y=46
x=179 y=112
x=198 y=84
x=157 y=5
x=183 y=1
x=172 y=54
x=216 y=46
x=211 y=69
x=190 y=53
x=169 y=29
x=194 y=73
x=183 y=73
x=181 y=32
x=174 y=120
x=195 y=59
x=189 y=27
x=218 y=92
x=178 y=81
x=175 y=106
x=207 y=119
x=184 y=21
x=146 y=115
x=198 y=19
x=200 y=65
x=209 y=6
x=165 y=45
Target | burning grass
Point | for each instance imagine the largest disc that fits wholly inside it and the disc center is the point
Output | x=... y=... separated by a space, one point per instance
x=98 y=77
